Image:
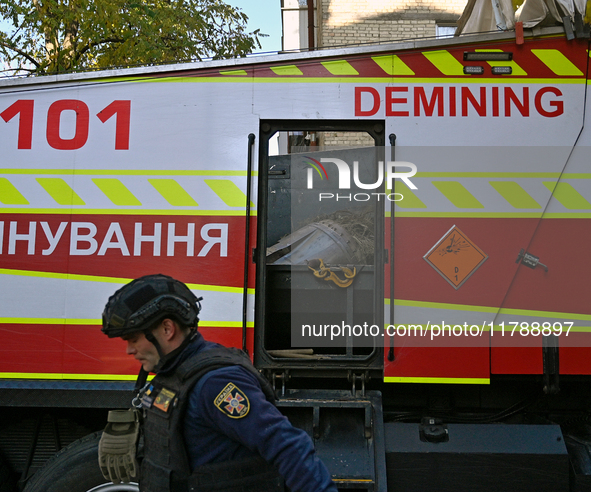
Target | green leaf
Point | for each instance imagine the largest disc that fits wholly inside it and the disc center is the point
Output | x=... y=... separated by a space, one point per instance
x=47 y=36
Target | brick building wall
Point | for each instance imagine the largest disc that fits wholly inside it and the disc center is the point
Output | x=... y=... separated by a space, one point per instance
x=358 y=22
x=351 y=22
x=346 y=22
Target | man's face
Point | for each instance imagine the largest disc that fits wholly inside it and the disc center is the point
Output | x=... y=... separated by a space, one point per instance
x=142 y=349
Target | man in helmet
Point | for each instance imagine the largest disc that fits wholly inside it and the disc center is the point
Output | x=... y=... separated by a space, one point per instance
x=209 y=419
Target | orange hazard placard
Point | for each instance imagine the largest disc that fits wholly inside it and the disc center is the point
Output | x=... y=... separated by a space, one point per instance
x=455 y=257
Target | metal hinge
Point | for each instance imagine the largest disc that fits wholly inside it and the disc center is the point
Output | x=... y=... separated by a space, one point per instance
x=355 y=378
x=280 y=378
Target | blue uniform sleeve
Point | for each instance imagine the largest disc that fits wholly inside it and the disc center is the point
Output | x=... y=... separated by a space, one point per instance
x=231 y=401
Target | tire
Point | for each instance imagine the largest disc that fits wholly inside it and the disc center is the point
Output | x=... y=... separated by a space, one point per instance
x=7 y=481
x=75 y=469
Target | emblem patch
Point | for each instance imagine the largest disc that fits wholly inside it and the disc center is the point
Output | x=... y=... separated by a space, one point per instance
x=164 y=399
x=232 y=402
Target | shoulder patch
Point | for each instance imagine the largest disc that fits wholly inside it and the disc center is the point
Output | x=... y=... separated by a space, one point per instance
x=232 y=402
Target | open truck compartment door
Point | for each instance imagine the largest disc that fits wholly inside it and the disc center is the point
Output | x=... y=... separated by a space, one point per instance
x=320 y=263
x=319 y=254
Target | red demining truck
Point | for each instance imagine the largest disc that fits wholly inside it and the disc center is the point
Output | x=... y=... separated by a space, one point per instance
x=397 y=235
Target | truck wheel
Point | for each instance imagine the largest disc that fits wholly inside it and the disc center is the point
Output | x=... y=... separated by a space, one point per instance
x=75 y=469
x=7 y=483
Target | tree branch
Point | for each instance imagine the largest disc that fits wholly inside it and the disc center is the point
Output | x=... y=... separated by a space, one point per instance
x=96 y=43
x=20 y=52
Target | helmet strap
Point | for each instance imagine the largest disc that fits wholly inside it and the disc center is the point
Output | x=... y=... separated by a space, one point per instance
x=151 y=338
x=140 y=382
x=164 y=358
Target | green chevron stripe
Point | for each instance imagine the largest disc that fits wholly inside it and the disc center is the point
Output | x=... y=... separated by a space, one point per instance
x=9 y=195
x=392 y=65
x=116 y=191
x=557 y=62
x=445 y=62
x=60 y=191
x=173 y=192
x=287 y=70
x=457 y=194
x=340 y=67
x=230 y=194
x=568 y=196
x=514 y=194
x=410 y=199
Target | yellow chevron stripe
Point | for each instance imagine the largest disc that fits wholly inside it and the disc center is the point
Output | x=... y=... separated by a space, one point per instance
x=568 y=196
x=116 y=191
x=287 y=70
x=113 y=280
x=9 y=195
x=395 y=379
x=557 y=62
x=230 y=194
x=173 y=193
x=445 y=62
x=233 y=72
x=60 y=191
x=392 y=65
x=339 y=67
x=457 y=194
x=410 y=199
x=514 y=194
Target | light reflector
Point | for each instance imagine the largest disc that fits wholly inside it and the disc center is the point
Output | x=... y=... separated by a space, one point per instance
x=502 y=70
x=473 y=70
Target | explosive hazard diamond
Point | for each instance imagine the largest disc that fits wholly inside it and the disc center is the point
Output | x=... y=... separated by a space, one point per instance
x=455 y=257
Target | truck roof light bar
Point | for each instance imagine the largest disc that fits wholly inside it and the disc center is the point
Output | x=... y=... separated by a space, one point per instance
x=488 y=56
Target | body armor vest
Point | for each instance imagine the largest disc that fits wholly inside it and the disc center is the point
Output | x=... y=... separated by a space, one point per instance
x=165 y=466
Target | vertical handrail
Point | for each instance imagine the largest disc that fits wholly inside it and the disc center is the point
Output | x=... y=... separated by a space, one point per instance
x=247 y=254
x=392 y=138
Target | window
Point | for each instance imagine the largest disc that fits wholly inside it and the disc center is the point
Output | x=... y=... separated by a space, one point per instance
x=444 y=31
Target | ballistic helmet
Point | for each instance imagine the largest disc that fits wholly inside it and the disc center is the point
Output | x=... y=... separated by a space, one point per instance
x=144 y=302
